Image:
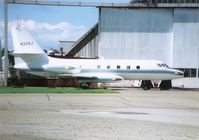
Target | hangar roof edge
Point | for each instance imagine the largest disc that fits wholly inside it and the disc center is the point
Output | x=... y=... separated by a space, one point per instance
x=108 y=5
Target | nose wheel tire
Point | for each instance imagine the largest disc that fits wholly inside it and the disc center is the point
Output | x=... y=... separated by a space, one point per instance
x=165 y=85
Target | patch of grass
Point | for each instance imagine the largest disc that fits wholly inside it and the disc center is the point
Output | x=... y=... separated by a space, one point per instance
x=51 y=90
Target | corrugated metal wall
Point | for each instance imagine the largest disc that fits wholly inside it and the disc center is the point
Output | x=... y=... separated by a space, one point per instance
x=167 y=34
x=91 y=49
x=186 y=38
x=136 y=33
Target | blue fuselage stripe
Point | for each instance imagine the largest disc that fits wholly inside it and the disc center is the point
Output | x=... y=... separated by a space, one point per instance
x=128 y=71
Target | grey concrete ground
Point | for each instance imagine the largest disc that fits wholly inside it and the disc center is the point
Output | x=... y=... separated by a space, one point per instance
x=132 y=114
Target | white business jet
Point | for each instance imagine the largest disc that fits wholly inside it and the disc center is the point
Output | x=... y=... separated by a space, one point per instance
x=30 y=57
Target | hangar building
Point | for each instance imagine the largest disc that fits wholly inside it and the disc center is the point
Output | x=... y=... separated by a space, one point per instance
x=166 y=33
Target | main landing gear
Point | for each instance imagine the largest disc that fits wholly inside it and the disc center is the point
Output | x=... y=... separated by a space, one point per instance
x=146 y=85
x=164 y=85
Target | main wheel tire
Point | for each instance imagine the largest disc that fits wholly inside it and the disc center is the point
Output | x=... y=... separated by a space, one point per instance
x=146 y=85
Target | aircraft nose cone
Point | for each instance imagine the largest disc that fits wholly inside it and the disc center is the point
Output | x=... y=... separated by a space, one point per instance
x=179 y=73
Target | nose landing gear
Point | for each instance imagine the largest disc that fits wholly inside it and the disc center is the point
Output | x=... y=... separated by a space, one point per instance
x=165 y=85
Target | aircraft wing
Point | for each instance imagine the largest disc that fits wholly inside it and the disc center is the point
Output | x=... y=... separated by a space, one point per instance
x=98 y=77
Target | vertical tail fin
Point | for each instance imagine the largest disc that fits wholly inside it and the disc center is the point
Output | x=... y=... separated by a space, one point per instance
x=27 y=48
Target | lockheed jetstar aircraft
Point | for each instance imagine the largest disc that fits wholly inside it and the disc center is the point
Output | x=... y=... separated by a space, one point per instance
x=32 y=59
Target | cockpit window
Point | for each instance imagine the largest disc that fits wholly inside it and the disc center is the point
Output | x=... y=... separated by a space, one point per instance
x=166 y=65
x=163 y=65
x=159 y=65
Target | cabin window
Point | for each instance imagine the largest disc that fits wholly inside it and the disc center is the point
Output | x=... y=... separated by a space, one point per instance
x=138 y=67
x=98 y=66
x=118 y=67
x=108 y=67
x=128 y=67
